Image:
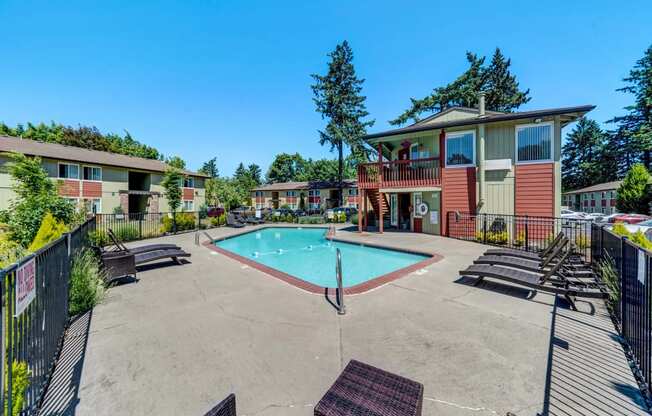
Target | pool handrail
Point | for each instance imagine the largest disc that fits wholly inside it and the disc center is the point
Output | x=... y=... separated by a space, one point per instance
x=341 y=310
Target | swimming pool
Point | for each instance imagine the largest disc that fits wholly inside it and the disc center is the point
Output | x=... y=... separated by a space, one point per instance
x=306 y=254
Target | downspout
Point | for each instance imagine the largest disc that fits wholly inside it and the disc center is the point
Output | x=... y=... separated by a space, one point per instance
x=481 y=148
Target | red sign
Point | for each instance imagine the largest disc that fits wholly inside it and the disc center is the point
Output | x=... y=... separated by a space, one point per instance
x=25 y=286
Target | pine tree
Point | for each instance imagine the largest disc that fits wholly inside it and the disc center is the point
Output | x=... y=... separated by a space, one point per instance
x=582 y=155
x=210 y=168
x=635 y=128
x=255 y=174
x=337 y=96
x=496 y=80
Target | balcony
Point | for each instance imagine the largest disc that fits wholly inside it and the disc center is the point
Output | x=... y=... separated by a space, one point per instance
x=400 y=174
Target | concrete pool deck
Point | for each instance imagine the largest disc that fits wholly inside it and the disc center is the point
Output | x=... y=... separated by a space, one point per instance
x=181 y=338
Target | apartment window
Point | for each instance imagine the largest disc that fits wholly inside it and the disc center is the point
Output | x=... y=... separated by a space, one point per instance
x=314 y=205
x=93 y=205
x=189 y=182
x=592 y=196
x=92 y=173
x=604 y=194
x=259 y=193
x=353 y=192
x=460 y=149
x=291 y=193
x=188 y=205
x=68 y=171
x=316 y=192
x=534 y=142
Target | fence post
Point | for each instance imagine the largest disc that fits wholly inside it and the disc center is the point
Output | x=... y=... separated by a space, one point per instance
x=484 y=228
x=623 y=286
x=527 y=235
x=140 y=226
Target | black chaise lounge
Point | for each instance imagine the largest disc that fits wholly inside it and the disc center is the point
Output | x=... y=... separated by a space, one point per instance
x=249 y=220
x=232 y=222
x=120 y=246
x=540 y=265
x=224 y=408
x=512 y=252
x=553 y=280
x=118 y=264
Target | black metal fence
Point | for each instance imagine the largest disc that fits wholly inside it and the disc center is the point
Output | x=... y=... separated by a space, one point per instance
x=137 y=226
x=632 y=307
x=32 y=337
x=528 y=233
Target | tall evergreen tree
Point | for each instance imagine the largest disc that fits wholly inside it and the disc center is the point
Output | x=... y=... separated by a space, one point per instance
x=254 y=172
x=635 y=128
x=496 y=80
x=633 y=194
x=176 y=162
x=210 y=168
x=337 y=97
x=582 y=156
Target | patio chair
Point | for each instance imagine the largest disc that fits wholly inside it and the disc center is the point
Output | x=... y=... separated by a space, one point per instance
x=118 y=264
x=527 y=254
x=231 y=221
x=224 y=408
x=120 y=246
x=540 y=265
x=552 y=281
x=249 y=220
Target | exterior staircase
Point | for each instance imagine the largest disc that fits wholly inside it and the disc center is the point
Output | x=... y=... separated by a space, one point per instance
x=376 y=201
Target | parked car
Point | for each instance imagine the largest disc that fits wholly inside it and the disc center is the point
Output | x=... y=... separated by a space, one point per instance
x=299 y=213
x=572 y=215
x=595 y=216
x=643 y=226
x=629 y=218
x=214 y=211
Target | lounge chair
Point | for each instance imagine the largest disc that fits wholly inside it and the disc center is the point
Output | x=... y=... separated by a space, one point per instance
x=224 y=408
x=231 y=221
x=120 y=246
x=527 y=254
x=118 y=264
x=249 y=220
x=552 y=281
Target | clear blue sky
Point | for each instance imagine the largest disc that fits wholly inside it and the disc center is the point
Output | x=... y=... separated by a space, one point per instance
x=231 y=78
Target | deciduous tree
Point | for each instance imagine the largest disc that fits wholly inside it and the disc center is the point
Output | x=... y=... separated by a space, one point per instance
x=633 y=194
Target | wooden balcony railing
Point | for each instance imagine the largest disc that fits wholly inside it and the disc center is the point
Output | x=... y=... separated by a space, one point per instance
x=400 y=174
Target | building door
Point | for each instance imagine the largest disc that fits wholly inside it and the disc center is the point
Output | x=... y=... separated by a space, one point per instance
x=404 y=153
x=393 y=210
x=404 y=211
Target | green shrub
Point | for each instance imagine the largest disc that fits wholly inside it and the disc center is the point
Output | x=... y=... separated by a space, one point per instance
x=98 y=238
x=10 y=251
x=20 y=381
x=203 y=212
x=86 y=283
x=185 y=221
x=520 y=239
x=607 y=271
x=640 y=239
x=50 y=230
x=285 y=206
x=354 y=219
x=117 y=210
x=127 y=232
x=620 y=229
x=582 y=241
x=222 y=219
x=313 y=219
x=498 y=237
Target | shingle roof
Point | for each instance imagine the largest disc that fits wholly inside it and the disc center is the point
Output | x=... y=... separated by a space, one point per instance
x=290 y=186
x=572 y=113
x=78 y=154
x=607 y=186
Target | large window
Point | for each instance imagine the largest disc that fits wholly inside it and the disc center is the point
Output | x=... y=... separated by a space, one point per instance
x=291 y=193
x=188 y=205
x=314 y=193
x=534 y=142
x=189 y=182
x=92 y=173
x=68 y=171
x=460 y=149
x=93 y=205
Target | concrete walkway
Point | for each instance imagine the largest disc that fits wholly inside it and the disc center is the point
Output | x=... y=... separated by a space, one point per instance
x=181 y=338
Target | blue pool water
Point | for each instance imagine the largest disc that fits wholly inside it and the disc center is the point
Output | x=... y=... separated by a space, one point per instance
x=307 y=254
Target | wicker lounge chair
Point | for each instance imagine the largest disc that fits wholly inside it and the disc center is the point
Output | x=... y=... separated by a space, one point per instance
x=554 y=280
x=118 y=264
x=224 y=408
x=231 y=221
x=120 y=246
x=362 y=389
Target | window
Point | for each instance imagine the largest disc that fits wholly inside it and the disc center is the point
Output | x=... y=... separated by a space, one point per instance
x=314 y=205
x=92 y=173
x=259 y=193
x=414 y=151
x=260 y=206
x=353 y=192
x=460 y=149
x=188 y=205
x=68 y=171
x=189 y=182
x=314 y=193
x=534 y=142
x=291 y=193
x=93 y=205
x=604 y=195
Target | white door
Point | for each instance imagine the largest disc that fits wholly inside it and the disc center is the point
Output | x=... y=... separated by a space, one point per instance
x=393 y=209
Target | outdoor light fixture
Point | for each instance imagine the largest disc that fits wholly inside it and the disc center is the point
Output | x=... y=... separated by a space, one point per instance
x=537 y=120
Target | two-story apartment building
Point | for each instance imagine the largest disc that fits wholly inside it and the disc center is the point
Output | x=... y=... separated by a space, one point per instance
x=600 y=198
x=466 y=160
x=316 y=195
x=101 y=181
